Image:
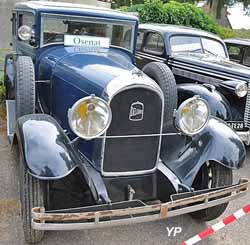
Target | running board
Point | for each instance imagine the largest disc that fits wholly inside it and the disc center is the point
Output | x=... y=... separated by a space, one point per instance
x=11 y=118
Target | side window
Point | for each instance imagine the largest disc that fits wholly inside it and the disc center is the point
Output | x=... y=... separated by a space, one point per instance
x=154 y=44
x=234 y=52
x=139 y=40
x=26 y=19
x=13 y=20
x=246 y=59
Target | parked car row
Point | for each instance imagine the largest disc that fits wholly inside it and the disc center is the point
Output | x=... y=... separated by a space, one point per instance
x=104 y=143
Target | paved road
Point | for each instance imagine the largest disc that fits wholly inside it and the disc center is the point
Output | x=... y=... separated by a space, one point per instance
x=149 y=233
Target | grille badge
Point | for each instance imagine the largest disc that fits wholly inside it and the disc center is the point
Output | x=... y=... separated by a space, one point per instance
x=136 y=111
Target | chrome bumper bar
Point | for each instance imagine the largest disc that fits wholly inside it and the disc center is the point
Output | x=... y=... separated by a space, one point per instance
x=42 y=220
x=244 y=136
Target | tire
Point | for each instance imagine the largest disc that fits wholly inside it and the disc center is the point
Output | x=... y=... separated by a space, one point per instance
x=31 y=195
x=164 y=77
x=212 y=175
x=24 y=86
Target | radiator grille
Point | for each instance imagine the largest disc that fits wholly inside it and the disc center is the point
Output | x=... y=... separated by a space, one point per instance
x=247 y=109
x=135 y=153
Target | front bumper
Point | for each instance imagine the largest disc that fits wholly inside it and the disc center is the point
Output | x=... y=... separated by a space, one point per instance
x=72 y=219
x=244 y=136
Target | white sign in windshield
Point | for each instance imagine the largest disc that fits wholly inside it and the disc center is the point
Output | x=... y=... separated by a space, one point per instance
x=86 y=41
x=186 y=47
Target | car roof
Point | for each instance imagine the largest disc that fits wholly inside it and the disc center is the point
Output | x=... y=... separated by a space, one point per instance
x=175 y=29
x=73 y=8
x=238 y=41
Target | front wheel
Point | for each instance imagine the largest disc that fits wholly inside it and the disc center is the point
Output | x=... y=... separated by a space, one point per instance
x=212 y=175
x=31 y=195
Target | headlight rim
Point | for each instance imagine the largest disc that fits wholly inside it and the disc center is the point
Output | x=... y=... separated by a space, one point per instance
x=28 y=28
x=76 y=104
x=237 y=87
x=178 y=115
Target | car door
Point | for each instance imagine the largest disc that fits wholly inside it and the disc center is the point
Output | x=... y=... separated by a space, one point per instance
x=246 y=57
x=150 y=48
x=235 y=52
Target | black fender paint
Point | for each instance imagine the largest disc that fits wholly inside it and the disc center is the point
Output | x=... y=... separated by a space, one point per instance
x=49 y=155
x=216 y=142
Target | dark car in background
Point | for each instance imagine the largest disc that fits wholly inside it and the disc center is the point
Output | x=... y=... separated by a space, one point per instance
x=239 y=50
x=200 y=63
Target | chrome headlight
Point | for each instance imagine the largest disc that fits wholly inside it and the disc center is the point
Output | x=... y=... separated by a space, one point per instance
x=89 y=117
x=241 y=89
x=192 y=115
x=24 y=33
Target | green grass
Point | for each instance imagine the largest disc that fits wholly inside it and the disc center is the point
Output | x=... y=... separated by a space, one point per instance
x=3 y=52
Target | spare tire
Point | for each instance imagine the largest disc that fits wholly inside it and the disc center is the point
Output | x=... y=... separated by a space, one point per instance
x=24 y=86
x=164 y=77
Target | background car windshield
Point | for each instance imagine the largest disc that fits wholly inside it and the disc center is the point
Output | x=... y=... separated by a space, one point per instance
x=194 y=44
x=55 y=27
x=213 y=47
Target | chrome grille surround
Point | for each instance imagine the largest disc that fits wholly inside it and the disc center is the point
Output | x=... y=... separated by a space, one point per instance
x=247 y=109
x=129 y=80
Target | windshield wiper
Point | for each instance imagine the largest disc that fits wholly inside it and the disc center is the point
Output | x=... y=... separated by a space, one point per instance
x=208 y=51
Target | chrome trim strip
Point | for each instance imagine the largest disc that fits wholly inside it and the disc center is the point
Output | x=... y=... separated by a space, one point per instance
x=134 y=79
x=145 y=55
x=205 y=71
x=170 y=175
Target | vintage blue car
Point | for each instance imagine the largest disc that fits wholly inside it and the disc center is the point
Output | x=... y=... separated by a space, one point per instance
x=100 y=143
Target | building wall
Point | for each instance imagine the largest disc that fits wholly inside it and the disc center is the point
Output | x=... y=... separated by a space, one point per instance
x=5 y=14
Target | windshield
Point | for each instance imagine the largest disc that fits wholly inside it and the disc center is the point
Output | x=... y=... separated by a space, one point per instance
x=195 y=44
x=55 y=27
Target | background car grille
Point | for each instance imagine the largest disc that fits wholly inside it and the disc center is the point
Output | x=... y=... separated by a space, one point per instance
x=133 y=153
x=247 y=109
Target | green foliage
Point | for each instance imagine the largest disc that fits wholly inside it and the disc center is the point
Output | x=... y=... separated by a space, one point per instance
x=225 y=32
x=155 y=11
x=242 y=33
x=176 y=13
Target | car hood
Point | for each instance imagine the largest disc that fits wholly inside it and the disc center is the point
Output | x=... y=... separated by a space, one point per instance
x=214 y=64
x=85 y=68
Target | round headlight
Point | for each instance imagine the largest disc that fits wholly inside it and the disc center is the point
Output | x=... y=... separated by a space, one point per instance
x=89 y=117
x=241 y=89
x=24 y=33
x=192 y=115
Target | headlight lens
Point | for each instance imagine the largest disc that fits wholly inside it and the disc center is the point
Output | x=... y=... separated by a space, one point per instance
x=192 y=115
x=241 y=89
x=24 y=33
x=89 y=117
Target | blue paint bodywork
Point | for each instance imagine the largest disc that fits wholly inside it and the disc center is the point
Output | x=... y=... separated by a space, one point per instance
x=67 y=74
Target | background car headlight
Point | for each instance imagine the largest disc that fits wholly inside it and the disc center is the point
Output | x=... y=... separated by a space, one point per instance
x=192 y=115
x=89 y=117
x=241 y=89
x=24 y=33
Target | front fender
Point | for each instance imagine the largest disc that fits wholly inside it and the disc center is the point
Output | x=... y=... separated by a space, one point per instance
x=216 y=142
x=219 y=105
x=45 y=147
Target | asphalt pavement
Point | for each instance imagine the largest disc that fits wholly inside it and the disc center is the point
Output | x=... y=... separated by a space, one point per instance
x=171 y=232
